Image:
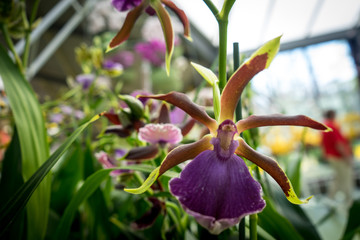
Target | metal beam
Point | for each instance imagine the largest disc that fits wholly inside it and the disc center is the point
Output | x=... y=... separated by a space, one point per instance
x=347 y=34
x=60 y=37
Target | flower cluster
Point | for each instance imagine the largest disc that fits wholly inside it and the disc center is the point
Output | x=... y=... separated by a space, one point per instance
x=216 y=186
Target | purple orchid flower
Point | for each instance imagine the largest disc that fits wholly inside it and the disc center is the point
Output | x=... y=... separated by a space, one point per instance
x=216 y=186
x=85 y=80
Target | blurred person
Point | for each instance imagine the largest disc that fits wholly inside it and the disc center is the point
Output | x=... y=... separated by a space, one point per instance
x=338 y=152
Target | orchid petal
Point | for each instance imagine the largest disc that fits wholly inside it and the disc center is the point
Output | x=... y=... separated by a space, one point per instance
x=166 y=25
x=142 y=153
x=175 y=157
x=125 y=30
x=270 y=166
x=164 y=114
x=260 y=60
x=255 y=121
x=218 y=193
x=113 y=118
x=187 y=126
x=183 y=102
x=211 y=78
x=181 y=15
x=185 y=152
x=147 y=183
x=149 y=217
x=120 y=130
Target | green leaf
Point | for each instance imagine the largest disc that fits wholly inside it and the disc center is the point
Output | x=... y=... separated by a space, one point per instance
x=15 y=204
x=353 y=223
x=296 y=215
x=276 y=225
x=85 y=191
x=33 y=141
x=11 y=180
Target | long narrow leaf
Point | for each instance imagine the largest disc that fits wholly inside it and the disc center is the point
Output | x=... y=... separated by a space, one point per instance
x=33 y=142
x=13 y=207
x=86 y=190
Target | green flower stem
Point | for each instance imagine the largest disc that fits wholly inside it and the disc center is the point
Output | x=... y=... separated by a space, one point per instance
x=223 y=24
x=28 y=32
x=253 y=226
x=10 y=44
x=212 y=7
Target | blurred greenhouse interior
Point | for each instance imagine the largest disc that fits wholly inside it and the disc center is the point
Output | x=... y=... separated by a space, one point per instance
x=59 y=73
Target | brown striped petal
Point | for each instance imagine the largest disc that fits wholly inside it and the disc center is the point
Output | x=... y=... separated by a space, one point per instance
x=181 y=15
x=270 y=166
x=125 y=30
x=142 y=153
x=185 y=152
x=183 y=102
x=255 y=121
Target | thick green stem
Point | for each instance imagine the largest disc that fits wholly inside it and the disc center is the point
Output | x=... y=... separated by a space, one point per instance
x=11 y=46
x=253 y=226
x=223 y=24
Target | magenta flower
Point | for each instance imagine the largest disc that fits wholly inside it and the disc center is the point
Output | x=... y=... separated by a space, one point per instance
x=107 y=162
x=124 y=5
x=137 y=8
x=153 y=51
x=216 y=186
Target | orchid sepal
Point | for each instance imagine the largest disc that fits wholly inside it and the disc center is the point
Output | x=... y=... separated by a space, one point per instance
x=270 y=166
x=213 y=81
x=183 y=102
x=181 y=15
x=168 y=32
x=260 y=60
x=125 y=30
x=147 y=183
x=255 y=121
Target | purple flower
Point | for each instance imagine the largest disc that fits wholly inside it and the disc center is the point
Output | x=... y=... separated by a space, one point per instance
x=66 y=109
x=215 y=197
x=124 y=5
x=153 y=51
x=216 y=187
x=111 y=65
x=85 y=80
x=56 y=117
x=79 y=114
x=112 y=68
x=125 y=58
x=177 y=116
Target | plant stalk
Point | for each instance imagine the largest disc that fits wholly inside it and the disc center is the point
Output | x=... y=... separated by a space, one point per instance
x=10 y=44
x=253 y=226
